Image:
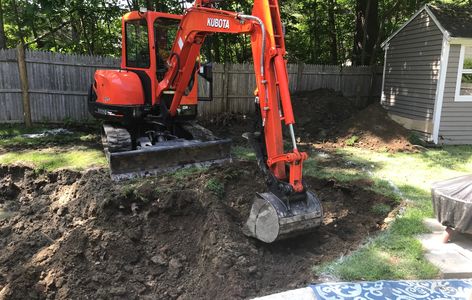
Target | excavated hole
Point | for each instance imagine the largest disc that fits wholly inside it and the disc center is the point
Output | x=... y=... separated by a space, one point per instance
x=79 y=235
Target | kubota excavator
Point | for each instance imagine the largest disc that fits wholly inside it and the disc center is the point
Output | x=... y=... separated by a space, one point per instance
x=150 y=104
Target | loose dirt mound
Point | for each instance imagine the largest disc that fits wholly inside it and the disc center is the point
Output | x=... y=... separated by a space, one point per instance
x=329 y=120
x=372 y=128
x=318 y=112
x=81 y=236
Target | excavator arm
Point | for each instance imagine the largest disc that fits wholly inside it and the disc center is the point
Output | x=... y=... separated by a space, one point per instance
x=288 y=208
x=272 y=94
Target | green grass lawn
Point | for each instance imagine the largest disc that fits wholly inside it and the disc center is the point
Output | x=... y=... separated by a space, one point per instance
x=395 y=253
x=77 y=150
x=51 y=159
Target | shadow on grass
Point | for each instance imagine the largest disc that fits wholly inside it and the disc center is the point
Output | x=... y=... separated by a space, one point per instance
x=12 y=137
x=450 y=157
x=393 y=254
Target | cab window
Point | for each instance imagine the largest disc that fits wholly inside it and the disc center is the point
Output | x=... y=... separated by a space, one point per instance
x=137 y=44
x=165 y=31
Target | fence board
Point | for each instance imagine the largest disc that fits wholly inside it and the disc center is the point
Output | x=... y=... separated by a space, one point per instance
x=58 y=85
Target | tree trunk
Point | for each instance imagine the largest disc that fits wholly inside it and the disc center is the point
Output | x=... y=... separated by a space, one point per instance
x=21 y=36
x=3 y=37
x=367 y=30
x=149 y=5
x=332 y=32
x=316 y=35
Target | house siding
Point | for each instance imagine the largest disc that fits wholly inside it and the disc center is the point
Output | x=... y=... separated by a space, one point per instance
x=412 y=71
x=455 y=126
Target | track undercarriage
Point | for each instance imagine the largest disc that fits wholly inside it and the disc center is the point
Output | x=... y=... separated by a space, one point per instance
x=138 y=153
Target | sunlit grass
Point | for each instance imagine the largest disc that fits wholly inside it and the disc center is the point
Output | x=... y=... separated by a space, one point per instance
x=49 y=152
x=395 y=253
x=51 y=159
x=243 y=153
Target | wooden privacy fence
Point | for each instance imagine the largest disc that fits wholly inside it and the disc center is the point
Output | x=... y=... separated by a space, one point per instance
x=57 y=85
x=234 y=84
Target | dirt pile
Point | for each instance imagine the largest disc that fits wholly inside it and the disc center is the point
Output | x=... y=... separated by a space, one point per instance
x=318 y=112
x=328 y=120
x=74 y=235
x=371 y=128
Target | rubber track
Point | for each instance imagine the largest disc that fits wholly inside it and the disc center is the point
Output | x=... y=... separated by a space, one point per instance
x=118 y=139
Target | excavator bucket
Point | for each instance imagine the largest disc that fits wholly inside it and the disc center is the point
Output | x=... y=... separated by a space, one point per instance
x=166 y=156
x=272 y=219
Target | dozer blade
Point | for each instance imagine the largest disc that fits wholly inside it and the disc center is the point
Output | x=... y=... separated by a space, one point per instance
x=271 y=219
x=168 y=156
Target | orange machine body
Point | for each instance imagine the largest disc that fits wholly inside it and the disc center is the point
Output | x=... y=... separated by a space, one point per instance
x=118 y=87
x=124 y=88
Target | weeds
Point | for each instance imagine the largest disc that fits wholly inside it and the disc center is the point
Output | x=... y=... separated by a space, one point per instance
x=380 y=209
x=216 y=187
x=352 y=140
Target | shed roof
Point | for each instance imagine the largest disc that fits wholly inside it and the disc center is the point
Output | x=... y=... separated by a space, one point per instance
x=453 y=20
x=457 y=20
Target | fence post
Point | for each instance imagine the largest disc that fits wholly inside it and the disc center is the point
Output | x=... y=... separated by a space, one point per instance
x=300 y=68
x=225 y=87
x=24 y=84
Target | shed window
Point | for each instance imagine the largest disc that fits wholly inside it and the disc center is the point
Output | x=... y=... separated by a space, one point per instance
x=464 y=76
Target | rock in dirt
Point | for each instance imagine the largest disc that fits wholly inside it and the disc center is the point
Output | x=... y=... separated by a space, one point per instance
x=159 y=260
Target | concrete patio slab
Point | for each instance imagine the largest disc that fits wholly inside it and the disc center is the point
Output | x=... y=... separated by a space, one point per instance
x=454 y=259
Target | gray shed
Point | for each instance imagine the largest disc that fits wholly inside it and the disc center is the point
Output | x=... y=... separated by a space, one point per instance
x=427 y=79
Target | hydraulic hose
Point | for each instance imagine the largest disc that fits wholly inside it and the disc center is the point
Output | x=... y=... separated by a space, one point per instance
x=258 y=20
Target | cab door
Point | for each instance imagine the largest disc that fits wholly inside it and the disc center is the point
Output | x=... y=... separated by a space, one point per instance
x=137 y=53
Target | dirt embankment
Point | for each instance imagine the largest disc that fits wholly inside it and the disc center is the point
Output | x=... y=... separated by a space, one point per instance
x=77 y=235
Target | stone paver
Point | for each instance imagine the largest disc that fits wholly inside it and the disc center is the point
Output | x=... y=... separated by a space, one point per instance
x=453 y=259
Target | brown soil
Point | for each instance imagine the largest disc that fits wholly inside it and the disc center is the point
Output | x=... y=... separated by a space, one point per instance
x=328 y=120
x=319 y=112
x=81 y=236
x=371 y=128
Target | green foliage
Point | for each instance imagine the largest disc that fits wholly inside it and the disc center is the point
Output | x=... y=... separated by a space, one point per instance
x=216 y=187
x=320 y=32
x=415 y=139
x=380 y=209
x=352 y=140
x=243 y=153
x=185 y=173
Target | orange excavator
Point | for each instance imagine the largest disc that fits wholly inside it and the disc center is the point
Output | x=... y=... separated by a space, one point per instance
x=149 y=108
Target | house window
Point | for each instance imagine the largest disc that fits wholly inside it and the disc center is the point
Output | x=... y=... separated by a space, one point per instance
x=464 y=76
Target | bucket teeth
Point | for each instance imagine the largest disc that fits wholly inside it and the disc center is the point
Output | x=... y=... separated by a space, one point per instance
x=270 y=219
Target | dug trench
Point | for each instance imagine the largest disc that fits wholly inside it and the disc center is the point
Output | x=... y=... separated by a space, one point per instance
x=78 y=235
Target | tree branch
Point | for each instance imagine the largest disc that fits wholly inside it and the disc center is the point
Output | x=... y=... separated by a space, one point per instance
x=42 y=36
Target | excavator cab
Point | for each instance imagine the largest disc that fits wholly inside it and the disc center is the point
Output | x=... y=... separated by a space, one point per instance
x=139 y=136
x=149 y=105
